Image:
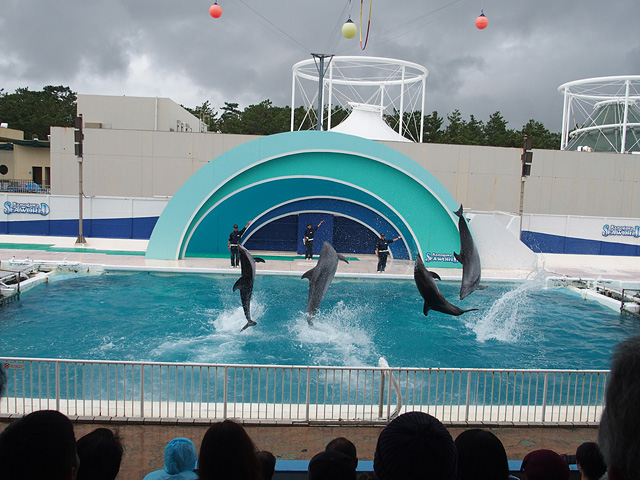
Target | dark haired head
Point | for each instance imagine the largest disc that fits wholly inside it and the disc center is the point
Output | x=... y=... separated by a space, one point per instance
x=332 y=465
x=481 y=456
x=415 y=444
x=100 y=453
x=343 y=445
x=545 y=465
x=267 y=464
x=590 y=460
x=40 y=445
x=228 y=453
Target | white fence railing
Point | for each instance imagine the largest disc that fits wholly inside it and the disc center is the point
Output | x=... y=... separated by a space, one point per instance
x=301 y=394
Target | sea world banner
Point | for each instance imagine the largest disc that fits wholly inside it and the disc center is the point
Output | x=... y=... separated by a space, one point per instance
x=621 y=230
x=26 y=207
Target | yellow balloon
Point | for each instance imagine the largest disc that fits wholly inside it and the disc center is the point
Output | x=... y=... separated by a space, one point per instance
x=349 y=29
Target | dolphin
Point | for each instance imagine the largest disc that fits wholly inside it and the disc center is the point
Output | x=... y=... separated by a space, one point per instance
x=320 y=278
x=433 y=298
x=245 y=282
x=468 y=257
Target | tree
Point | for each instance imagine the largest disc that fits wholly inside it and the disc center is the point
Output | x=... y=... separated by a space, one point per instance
x=206 y=115
x=230 y=121
x=432 y=128
x=453 y=132
x=497 y=134
x=35 y=112
x=540 y=136
x=473 y=132
x=265 y=119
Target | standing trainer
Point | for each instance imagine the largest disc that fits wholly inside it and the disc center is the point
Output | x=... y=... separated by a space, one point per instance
x=308 y=240
x=382 y=251
x=234 y=241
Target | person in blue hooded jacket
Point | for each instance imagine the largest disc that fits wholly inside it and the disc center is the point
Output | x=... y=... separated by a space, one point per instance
x=180 y=459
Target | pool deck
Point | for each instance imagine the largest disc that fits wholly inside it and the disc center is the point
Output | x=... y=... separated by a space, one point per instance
x=145 y=443
x=129 y=254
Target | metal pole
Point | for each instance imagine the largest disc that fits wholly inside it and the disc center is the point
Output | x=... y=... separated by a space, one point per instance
x=80 y=240
x=321 y=70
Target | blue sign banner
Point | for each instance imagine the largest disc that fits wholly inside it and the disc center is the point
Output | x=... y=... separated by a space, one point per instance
x=29 y=208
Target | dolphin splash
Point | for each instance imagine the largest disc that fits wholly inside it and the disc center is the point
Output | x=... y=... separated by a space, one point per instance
x=320 y=278
x=468 y=257
x=433 y=298
x=245 y=282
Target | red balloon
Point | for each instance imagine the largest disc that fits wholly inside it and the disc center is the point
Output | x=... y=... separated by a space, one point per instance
x=215 y=10
x=482 y=22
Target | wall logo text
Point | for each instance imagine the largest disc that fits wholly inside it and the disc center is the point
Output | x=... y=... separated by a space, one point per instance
x=30 y=208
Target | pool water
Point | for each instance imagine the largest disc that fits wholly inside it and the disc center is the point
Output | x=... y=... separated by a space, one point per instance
x=197 y=318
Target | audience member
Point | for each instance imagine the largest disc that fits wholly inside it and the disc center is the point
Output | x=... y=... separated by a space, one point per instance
x=100 y=453
x=344 y=445
x=228 y=453
x=332 y=465
x=481 y=456
x=41 y=445
x=590 y=462
x=545 y=465
x=180 y=458
x=267 y=463
x=620 y=421
x=415 y=445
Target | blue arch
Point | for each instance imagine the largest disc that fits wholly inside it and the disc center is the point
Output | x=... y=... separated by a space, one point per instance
x=246 y=182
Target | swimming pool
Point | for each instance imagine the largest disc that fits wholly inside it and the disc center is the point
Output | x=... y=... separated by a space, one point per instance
x=197 y=318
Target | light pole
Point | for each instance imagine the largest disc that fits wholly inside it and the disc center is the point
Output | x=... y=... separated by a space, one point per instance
x=78 y=140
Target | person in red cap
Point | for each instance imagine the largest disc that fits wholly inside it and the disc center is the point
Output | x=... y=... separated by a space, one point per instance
x=545 y=465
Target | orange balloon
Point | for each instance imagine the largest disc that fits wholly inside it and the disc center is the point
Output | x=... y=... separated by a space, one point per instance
x=482 y=22
x=215 y=10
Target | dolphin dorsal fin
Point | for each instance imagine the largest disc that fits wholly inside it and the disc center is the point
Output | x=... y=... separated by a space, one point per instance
x=459 y=257
x=343 y=258
x=240 y=283
x=308 y=273
x=259 y=260
x=434 y=275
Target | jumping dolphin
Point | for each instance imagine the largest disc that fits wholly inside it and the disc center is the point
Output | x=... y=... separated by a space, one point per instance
x=320 y=278
x=433 y=298
x=468 y=257
x=245 y=282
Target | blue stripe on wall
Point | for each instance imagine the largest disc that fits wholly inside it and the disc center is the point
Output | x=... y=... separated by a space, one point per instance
x=136 y=228
x=545 y=243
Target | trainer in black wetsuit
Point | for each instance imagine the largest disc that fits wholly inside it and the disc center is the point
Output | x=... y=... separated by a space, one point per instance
x=382 y=251
x=308 y=240
x=234 y=241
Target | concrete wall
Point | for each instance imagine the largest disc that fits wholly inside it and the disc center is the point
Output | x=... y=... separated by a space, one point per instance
x=146 y=163
x=25 y=158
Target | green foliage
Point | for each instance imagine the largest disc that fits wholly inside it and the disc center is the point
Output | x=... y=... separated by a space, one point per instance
x=35 y=112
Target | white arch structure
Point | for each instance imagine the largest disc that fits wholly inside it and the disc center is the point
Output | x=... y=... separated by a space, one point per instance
x=385 y=82
x=583 y=98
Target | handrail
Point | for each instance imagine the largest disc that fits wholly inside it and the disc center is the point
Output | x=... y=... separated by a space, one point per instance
x=204 y=392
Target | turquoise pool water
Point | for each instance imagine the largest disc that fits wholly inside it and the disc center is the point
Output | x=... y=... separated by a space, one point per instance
x=191 y=318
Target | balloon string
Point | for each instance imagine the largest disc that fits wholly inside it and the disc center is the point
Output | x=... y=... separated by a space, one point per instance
x=366 y=39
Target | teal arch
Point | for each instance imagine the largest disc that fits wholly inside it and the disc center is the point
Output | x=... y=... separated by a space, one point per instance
x=245 y=182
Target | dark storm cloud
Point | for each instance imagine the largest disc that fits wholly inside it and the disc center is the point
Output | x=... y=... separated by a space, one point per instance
x=174 y=49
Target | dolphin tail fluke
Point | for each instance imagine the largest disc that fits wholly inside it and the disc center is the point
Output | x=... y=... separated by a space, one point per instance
x=250 y=323
x=343 y=258
x=460 y=211
x=242 y=281
x=259 y=260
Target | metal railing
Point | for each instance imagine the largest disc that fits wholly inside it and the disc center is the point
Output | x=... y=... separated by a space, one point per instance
x=301 y=394
x=24 y=186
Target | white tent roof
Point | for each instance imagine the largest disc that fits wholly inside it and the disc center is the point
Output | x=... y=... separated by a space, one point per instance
x=366 y=121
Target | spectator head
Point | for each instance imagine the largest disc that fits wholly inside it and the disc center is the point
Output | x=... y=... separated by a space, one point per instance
x=590 y=461
x=332 y=465
x=413 y=445
x=545 y=465
x=620 y=422
x=100 y=453
x=344 y=445
x=228 y=453
x=481 y=456
x=180 y=455
x=40 y=445
x=267 y=463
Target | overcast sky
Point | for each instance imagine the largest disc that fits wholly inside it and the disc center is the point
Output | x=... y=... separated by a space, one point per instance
x=175 y=49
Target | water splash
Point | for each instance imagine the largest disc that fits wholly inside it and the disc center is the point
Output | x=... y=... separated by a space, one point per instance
x=338 y=336
x=506 y=321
